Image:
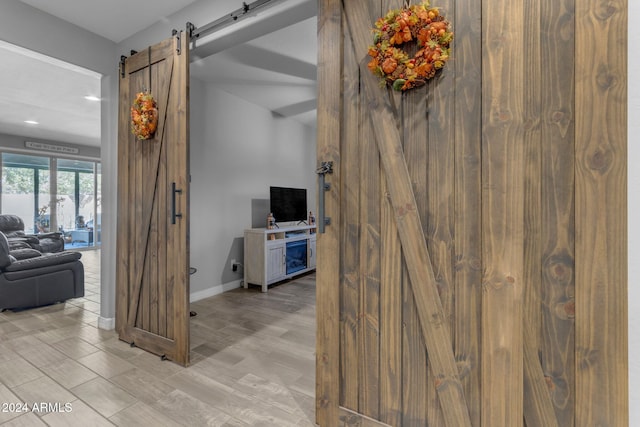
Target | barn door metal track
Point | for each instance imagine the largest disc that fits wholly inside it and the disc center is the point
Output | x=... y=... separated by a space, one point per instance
x=245 y=11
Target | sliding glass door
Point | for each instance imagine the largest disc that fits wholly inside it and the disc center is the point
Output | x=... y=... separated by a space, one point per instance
x=53 y=194
x=76 y=187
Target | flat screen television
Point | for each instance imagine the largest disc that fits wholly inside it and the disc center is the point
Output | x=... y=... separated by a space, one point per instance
x=288 y=204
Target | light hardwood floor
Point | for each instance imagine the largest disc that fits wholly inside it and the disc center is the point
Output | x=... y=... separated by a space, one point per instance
x=252 y=356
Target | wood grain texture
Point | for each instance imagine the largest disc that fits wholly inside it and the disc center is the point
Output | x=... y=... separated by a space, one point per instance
x=438 y=220
x=601 y=214
x=503 y=183
x=328 y=149
x=418 y=396
x=391 y=372
x=502 y=213
x=178 y=171
x=369 y=313
x=122 y=240
x=350 y=418
x=350 y=325
x=538 y=407
x=468 y=190
x=152 y=295
x=557 y=207
x=432 y=319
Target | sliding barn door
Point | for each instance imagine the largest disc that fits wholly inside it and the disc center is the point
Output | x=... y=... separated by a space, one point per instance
x=152 y=298
x=474 y=269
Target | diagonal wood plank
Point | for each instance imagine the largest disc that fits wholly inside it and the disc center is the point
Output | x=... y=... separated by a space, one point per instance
x=432 y=319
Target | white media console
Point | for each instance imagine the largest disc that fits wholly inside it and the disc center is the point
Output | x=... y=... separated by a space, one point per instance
x=271 y=256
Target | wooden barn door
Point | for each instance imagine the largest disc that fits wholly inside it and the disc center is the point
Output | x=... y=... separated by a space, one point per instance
x=152 y=287
x=396 y=364
x=474 y=268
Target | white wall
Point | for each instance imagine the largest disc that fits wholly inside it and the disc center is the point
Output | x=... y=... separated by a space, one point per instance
x=33 y=29
x=238 y=150
x=633 y=150
x=25 y=26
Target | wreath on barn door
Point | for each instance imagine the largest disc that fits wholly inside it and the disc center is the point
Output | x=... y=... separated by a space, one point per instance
x=398 y=27
x=144 y=116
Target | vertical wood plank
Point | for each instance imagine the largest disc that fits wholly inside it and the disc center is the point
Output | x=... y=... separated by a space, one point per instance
x=328 y=149
x=154 y=241
x=468 y=214
x=438 y=221
x=600 y=198
x=391 y=372
x=532 y=175
x=417 y=393
x=440 y=186
x=145 y=172
x=178 y=171
x=369 y=314
x=391 y=291
x=137 y=305
x=130 y=207
x=538 y=408
x=350 y=326
x=557 y=185
x=162 y=78
x=122 y=237
x=502 y=213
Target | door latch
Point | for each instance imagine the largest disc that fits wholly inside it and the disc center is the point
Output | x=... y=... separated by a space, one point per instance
x=324 y=169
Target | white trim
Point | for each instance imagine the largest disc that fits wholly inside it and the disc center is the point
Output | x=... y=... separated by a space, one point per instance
x=49 y=59
x=215 y=290
x=106 y=323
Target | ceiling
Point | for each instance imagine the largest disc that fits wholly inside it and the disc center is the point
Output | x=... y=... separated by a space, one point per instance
x=276 y=71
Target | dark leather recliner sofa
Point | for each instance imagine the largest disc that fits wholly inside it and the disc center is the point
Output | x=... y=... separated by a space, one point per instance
x=13 y=227
x=38 y=279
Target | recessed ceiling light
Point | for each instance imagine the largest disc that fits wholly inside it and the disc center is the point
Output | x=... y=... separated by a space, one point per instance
x=91 y=98
x=31 y=122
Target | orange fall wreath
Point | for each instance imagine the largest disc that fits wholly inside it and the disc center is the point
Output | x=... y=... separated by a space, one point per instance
x=144 y=116
x=395 y=66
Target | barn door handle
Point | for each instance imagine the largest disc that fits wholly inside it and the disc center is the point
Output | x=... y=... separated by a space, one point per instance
x=325 y=168
x=174 y=215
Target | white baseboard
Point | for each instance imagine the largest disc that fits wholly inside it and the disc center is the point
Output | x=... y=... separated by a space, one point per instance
x=106 y=323
x=215 y=290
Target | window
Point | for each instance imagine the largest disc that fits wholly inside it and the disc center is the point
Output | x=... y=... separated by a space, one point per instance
x=53 y=194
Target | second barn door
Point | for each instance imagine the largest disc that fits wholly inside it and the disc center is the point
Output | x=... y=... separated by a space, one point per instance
x=152 y=310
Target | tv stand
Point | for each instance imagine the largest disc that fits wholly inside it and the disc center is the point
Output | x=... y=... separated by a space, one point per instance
x=271 y=256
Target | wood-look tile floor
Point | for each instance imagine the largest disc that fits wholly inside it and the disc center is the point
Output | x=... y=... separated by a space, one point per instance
x=252 y=363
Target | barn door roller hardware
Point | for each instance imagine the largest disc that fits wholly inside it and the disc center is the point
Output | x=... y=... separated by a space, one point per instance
x=220 y=23
x=325 y=168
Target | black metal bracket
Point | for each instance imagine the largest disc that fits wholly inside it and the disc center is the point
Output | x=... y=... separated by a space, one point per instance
x=122 y=65
x=190 y=29
x=175 y=33
x=324 y=169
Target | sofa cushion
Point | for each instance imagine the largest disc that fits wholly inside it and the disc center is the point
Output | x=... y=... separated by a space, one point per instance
x=44 y=261
x=5 y=260
x=11 y=223
x=25 y=253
